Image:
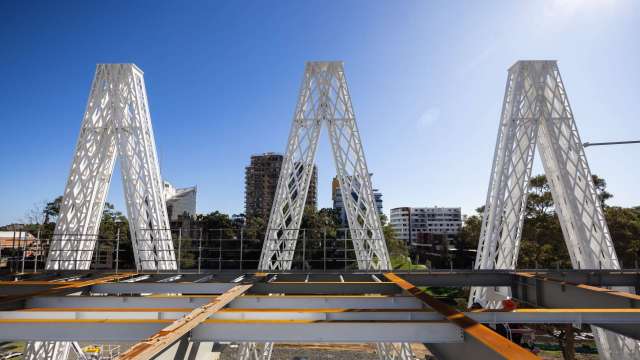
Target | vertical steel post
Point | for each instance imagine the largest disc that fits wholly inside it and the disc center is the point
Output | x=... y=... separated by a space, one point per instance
x=24 y=253
x=304 y=247
x=117 y=249
x=179 y=248
x=96 y=250
x=199 y=252
x=324 y=249
x=241 y=239
x=35 y=259
x=345 y=251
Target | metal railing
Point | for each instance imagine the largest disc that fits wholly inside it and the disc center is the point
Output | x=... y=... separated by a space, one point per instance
x=195 y=250
x=22 y=252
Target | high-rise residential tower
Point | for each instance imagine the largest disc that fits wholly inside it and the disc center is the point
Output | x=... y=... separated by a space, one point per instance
x=261 y=180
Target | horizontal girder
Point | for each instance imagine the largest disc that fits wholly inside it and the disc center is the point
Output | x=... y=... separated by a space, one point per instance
x=242 y=330
x=261 y=314
x=246 y=302
x=317 y=283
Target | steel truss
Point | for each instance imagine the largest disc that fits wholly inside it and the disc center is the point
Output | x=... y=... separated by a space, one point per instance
x=536 y=111
x=324 y=99
x=39 y=350
x=116 y=123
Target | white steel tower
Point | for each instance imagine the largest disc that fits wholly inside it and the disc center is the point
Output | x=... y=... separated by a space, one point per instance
x=324 y=100
x=536 y=111
x=116 y=123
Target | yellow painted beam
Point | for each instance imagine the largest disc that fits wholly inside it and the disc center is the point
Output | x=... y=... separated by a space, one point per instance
x=62 y=286
x=211 y=321
x=491 y=339
x=155 y=344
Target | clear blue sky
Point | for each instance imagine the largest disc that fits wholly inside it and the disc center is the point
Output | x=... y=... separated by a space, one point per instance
x=427 y=80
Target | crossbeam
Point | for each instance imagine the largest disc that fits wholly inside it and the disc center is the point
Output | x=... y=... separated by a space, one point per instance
x=493 y=342
x=397 y=313
x=236 y=330
x=548 y=292
x=455 y=277
x=57 y=288
x=159 y=341
x=247 y=301
x=544 y=292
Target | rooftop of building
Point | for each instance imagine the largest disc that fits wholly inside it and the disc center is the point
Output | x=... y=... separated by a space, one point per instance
x=172 y=192
x=9 y=238
x=427 y=208
x=267 y=154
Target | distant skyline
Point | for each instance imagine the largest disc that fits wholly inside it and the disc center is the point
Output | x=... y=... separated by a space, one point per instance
x=426 y=79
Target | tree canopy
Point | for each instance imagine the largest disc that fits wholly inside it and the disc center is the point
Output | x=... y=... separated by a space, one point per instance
x=542 y=243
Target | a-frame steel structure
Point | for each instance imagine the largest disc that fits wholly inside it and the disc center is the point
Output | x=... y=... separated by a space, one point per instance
x=536 y=112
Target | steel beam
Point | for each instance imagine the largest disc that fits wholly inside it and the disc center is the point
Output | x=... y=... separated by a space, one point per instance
x=185 y=349
x=399 y=314
x=51 y=350
x=161 y=288
x=57 y=288
x=155 y=344
x=217 y=283
x=235 y=330
x=544 y=292
x=248 y=301
x=484 y=340
x=325 y=288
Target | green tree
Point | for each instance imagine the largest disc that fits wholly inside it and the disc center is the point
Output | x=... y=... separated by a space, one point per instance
x=255 y=228
x=601 y=189
x=540 y=200
x=253 y=237
x=470 y=231
x=398 y=250
x=542 y=241
x=52 y=210
x=320 y=232
x=466 y=240
x=214 y=220
x=624 y=226
x=321 y=219
x=108 y=236
x=111 y=221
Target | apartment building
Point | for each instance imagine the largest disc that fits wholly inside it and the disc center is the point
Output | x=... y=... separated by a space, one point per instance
x=261 y=181
x=409 y=223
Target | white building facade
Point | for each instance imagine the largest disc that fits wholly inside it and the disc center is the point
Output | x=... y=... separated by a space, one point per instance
x=412 y=224
x=180 y=202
